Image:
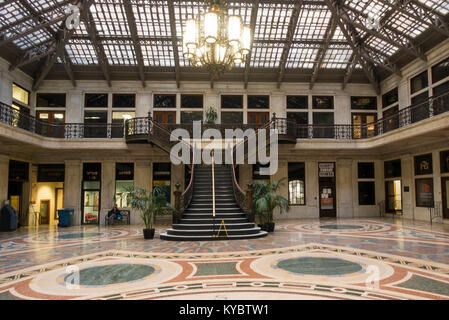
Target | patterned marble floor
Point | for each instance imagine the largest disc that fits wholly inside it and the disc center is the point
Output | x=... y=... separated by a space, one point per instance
x=303 y=259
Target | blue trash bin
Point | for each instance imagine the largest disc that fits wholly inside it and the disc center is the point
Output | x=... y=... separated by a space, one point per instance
x=65 y=217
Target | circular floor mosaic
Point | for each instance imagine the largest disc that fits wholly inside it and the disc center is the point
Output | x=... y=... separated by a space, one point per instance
x=79 y=235
x=319 y=266
x=347 y=227
x=341 y=226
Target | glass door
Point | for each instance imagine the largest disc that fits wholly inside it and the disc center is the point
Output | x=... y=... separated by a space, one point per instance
x=91 y=208
x=363 y=125
x=393 y=196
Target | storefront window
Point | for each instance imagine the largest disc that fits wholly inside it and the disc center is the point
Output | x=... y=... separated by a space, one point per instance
x=91 y=192
x=162 y=178
x=424 y=192
x=124 y=179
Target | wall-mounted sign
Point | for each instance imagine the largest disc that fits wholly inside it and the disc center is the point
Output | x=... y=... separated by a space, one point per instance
x=124 y=171
x=51 y=173
x=423 y=164
x=424 y=192
x=92 y=171
x=326 y=169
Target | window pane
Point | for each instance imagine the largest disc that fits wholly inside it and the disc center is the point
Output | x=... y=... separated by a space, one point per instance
x=189 y=117
x=323 y=118
x=258 y=102
x=121 y=193
x=367 y=193
x=440 y=89
x=297 y=102
x=326 y=120
x=423 y=164
x=440 y=71
x=392 y=168
x=96 y=100
x=20 y=94
x=93 y=121
x=123 y=100
x=192 y=101
x=419 y=82
x=50 y=100
x=390 y=97
x=164 y=101
x=299 y=117
x=365 y=170
x=296 y=192
x=232 y=101
x=364 y=103
x=323 y=102
x=232 y=117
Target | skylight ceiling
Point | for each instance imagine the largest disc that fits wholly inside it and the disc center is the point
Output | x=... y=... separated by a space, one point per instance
x=316 y=40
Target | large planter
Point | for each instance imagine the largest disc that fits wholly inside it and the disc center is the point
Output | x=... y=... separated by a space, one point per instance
x=148 y=234
x=268 y=227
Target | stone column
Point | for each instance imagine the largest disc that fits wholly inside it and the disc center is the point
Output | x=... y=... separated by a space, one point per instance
x=107 y=188
x=72 y=188
x=343 y=105
x=344 y=189
x=33 y=196
x=4 y=177
x=407 y=181
x=5 y=88
x=26 y=196
x=313 y=209
x=143 y=178
x=143 y=103
x=278 y=104
x=75 y=107
x=379 y=183
x=437 y=188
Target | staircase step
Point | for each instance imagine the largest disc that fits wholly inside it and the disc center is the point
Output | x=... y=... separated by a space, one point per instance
x=211 y=221
x=197 y=226
x=212 y=231
x=172 y=237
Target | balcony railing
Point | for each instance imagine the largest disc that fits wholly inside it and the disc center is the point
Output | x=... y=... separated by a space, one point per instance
x=140 y=128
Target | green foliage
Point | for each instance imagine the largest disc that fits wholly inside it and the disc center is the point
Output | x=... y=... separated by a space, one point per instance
x=211 y=116
x=266 y=200
x=149 y=203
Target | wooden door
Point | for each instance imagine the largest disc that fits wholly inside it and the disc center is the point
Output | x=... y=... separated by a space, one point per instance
x=445 y=190
x=258 y=117
x=165 y=117
x=44 y=211
x=327 y=200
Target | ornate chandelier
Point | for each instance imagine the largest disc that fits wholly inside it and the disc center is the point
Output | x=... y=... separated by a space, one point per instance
x=216 y=40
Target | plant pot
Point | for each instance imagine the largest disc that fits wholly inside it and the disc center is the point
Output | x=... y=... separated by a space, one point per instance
x=268 y=227
x=148 y=233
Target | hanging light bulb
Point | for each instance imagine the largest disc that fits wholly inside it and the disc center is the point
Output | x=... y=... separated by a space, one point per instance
x=246 y=40
x=211 y=27
x=191 y=34
x=234 y=29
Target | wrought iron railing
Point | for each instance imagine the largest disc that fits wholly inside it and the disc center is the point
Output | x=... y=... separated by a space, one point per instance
x=140 y=127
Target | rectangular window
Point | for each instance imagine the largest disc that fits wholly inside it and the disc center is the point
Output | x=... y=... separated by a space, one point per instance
x=299 y=117
x=444 y=161
x=258 y=102
x=424 y=192
x=20 y=94
x=95 y=124
x=367 y=196
x=124 y=179
x=296 y=183
x=232 y=102
x=96 y=100
x=440 y=71
x=123 y=100
x=118 y=122
x=322 y=102
x=420 y=111
x=441 y=89
x=164 y=101
x=192 y=101
x=390 y=98
x=190 y=116
x=423 y=164
x=392 y=169
x=364 y=103
x=365 y=170
x=363 y=125
x=419 y=82
x=162 y=177
x=50 y=100
x=297 y=102
x=323 y=125
x=390 y=119
x=232 y=117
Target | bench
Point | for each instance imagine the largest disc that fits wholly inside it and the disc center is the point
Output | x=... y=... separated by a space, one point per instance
x=125 y=218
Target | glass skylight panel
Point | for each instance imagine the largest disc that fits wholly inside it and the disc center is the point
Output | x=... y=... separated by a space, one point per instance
x=302 y=56
x=158 y=53
x=12 y=13
x=110 y=18
x=338 y=35
x=119 y=52
x=40 y=5
x=337 y=57
x=152 y=18
x=442 y=6
x=266 y=55
x=81 y=52
x=407 y=25
x=382 y=46
x=312 y=23
x=32 y=39
x=272 y=21
x=241 y=9
x=185 y=10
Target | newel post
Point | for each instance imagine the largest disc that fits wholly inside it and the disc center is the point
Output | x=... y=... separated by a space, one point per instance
x=249 y=202
x=178 y=202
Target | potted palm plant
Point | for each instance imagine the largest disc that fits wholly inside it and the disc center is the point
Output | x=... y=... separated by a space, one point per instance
x=211 y=116
x=266 y=200
x=149 y=204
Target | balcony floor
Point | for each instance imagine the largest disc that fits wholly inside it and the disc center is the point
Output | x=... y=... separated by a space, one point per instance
x=302 y=259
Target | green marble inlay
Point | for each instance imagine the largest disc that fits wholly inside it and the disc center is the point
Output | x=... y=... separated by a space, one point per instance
x=341 y=226
x=79 y=235
x=319 y=266
x=426 y=284
x=218 y=268
x=7 y=296
x=111 y=274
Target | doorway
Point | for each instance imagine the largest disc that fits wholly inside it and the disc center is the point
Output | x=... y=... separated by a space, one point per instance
x=445 y=190
x=56 y=119
x=258 y=117
x=327 y=190
x=393 y=196
x=165 y=117
x=44 y=210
